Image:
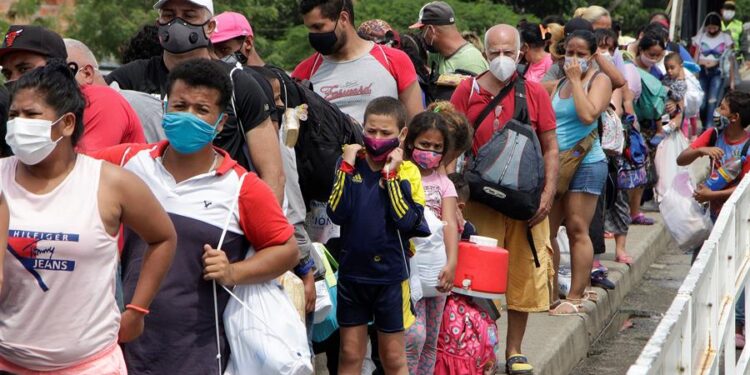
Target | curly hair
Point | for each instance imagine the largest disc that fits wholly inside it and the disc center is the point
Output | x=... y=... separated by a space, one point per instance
x=143 y=45
x=461 y=132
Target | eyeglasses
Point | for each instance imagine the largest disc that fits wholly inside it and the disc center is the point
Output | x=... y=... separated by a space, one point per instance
x=496 y=122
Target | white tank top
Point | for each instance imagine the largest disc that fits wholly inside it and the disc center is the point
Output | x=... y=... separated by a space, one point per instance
x=57 y=304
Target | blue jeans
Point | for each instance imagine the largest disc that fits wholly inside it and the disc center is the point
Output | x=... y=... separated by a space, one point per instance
x=739 y=311
x=712 y=84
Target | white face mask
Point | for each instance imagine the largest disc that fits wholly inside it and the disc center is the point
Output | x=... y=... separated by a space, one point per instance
x=583 y=63
x=648 y=62
x=31 y=139
x=727 y=14
x=502 y=67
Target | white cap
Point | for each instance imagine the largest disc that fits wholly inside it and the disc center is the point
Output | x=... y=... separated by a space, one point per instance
x=208 y=4
x=483 y=241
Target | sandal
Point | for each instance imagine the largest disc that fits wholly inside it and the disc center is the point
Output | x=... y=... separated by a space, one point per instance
x=576 y=305
x=641 y=219
x=518 y=364
x=625 y=259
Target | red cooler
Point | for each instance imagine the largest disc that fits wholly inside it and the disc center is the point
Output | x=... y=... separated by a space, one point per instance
x=482 y=267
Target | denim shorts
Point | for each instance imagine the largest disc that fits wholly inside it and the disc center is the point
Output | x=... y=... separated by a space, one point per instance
x=589 y=178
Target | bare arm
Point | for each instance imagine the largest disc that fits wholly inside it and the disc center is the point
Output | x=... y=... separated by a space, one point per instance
x=450 y=233
x=609 y=68
x=589 y=106
x=550 y=86
x=263 y=141
x=148 y=219
x=4 y=219
x=412 y=99
x=548 y=141
x=690 y=154
x=266 y=264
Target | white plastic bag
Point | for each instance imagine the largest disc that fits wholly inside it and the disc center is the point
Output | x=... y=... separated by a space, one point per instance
x=270 y=337
x=685 y=219
x=564 y=245
x=318 y=225
x=665 y=161
x=693 y=96
x=267 y=338
x=430 y=255
x=415 y=283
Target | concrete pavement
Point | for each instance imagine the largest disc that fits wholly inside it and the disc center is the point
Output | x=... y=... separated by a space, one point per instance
x=556 y=344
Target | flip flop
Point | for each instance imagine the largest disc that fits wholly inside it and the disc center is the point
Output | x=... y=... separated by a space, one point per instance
x=518 y=364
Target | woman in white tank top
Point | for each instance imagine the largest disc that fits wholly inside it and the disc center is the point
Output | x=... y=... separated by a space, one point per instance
x=57 y=303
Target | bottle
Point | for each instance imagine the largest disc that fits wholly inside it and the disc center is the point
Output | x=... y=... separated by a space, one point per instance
x=665 y=124
x=725 y=175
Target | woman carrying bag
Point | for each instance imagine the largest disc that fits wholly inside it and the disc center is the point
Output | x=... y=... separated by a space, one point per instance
x=578 y=102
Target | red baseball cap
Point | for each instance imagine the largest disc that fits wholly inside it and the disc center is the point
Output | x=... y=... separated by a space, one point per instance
x=230 y=25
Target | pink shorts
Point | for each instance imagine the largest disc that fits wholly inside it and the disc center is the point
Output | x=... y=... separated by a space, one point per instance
x=107 y=362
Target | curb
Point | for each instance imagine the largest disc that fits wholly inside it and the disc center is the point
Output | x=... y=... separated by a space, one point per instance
x=556 y=344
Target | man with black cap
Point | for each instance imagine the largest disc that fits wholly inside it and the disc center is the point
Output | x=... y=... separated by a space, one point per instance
x=108 y=119
x=450 y=52
x=185 y=27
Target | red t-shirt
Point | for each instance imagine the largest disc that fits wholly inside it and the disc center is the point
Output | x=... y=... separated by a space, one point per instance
x=470 y=99
x=108 y=120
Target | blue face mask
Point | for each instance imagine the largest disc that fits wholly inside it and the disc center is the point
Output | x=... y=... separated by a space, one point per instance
x=187 y=133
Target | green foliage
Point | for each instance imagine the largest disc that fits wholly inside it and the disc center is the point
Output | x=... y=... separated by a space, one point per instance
x=24 y=8
x=105 y=25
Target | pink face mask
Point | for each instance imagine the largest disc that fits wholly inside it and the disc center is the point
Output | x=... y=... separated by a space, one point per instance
x=648 y=62
x=426 y=159
x=378 y=149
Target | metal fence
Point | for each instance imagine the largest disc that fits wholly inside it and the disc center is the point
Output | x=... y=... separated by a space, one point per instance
x=696 y=335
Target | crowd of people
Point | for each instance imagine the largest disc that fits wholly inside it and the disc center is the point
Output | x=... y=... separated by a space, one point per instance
x=129 y=199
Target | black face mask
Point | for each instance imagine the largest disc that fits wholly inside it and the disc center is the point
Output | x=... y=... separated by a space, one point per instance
x=178 y=36
x=324 y=43
x=234 y=58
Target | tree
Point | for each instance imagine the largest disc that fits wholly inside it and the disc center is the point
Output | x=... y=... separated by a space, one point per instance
x=105 y=25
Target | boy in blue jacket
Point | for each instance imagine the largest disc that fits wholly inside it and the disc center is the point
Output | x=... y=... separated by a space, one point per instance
x=378 y=201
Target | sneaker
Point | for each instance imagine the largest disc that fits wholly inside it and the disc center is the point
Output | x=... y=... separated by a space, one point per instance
x=598 y=278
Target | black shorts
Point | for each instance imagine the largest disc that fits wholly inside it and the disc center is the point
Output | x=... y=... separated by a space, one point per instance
x=389 y=306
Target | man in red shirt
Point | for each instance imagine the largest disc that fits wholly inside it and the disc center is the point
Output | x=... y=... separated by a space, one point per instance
x=528 y=286
x=108 y=119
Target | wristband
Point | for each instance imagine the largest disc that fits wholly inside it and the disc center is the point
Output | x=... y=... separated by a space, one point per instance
x=137 y=309
x=389 y=176
x=346 y=167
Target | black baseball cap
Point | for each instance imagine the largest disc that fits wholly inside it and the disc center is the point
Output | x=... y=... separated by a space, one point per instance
x=35 y=39
x=576 y=24
x=436 y=13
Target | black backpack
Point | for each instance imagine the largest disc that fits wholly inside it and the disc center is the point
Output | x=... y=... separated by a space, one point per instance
x=321 y=137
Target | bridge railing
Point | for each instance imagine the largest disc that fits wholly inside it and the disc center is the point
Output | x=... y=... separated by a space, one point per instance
x=696 y=335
